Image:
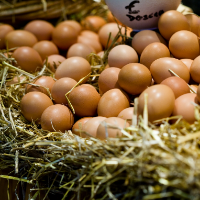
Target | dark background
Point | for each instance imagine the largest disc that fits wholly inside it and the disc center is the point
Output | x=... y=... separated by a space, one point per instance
x=194 y=4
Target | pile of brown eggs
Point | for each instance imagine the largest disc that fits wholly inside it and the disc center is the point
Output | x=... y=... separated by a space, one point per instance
x=164 y=65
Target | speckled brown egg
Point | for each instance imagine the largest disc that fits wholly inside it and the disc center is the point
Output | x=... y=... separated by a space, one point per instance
x=4 y=30
x=45 y=84
x=84 y=100
x=60 y=88
x=54 y=61
x=195 y=70
x=112 y=103
x=144 y=38
x=74 y=67
x=172 y=21
x=64 y=36
x=184 y=44
x=28 y=59
x=187 y=62
x=108 y=79
x=104 y=131
x=19 y=38
x=76 y=25
x=90 y=127
x=134 y=78
x=178 y=85
x=80 y=50
x=152 y=52
x=33 y=105
x=40 y=28
x=194 y=22
x=160 y=102
x=184 y=107
x=46 y=48
x=160 y=69
x=122 y=55
x=57 y=118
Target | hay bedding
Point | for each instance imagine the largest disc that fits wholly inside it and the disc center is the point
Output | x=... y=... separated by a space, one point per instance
x=159 y=161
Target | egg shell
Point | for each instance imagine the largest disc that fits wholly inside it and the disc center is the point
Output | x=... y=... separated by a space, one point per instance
x=19 y=38
x=76 y=25
x=122 y=55
x=78 y=126
x=43 y=82
x=184 y=44
x=178 y=85
x=127 y=113
x=110 y=17
x=90 y=127
x=198 y=93
x=4 y=30
x=64 y=35
x=93 y=23
x=112 y=103
x=104 y=131
x=160 y=69
x=15 y=80
x=46 y=48
x=108 y=79
x=145 y=37
x=187 y=62
x=84 y=100
x=57 y=118
x=195 y=70
x=152 y=52
x=194 y=22
x=74 y=67
x=54 y=61
x=80 y=50
x=33 y=105
x=40 y=28
x=28 y=59
x=171 y=22
x=160 y=103
x=60 y=88
x=185 y=108
x=90 y=34
x=134 y=78
x=95 y=44
x=194 y=87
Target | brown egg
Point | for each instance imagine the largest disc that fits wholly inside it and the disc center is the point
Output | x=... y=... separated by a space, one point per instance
x=172 y=21
x=160 y=102
x=184 y=44
x=122 y=55
x=184 y=107
x=60 y=88
x=15 y=80
x=64 y=36
x=43 y=82
x=95 y=44
x=110 y=17
x=72 y=23
x=194 y=22
x=108 y=79
x=4 y=30
x=80 y=50
x=19 y=38
x=57 y=118
x=194 y=87
x=84 y=100
x=127 y=113
x=134 y=78
x=104 y=131
x=33 y=105
x=101 y=54
x=145 y=37
x=46 y=48
x=74 y=67
x=90 y=127
x=195 y=70
x=198 y=93
x=187 y=62
x=178 y=85
x=152 y=52
x=28 y=59
x=40 y=28
x=93 y=23
x=90 y=34
x=112 y=103
x=160 y=69
x=78 y=126
x=54 y=61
